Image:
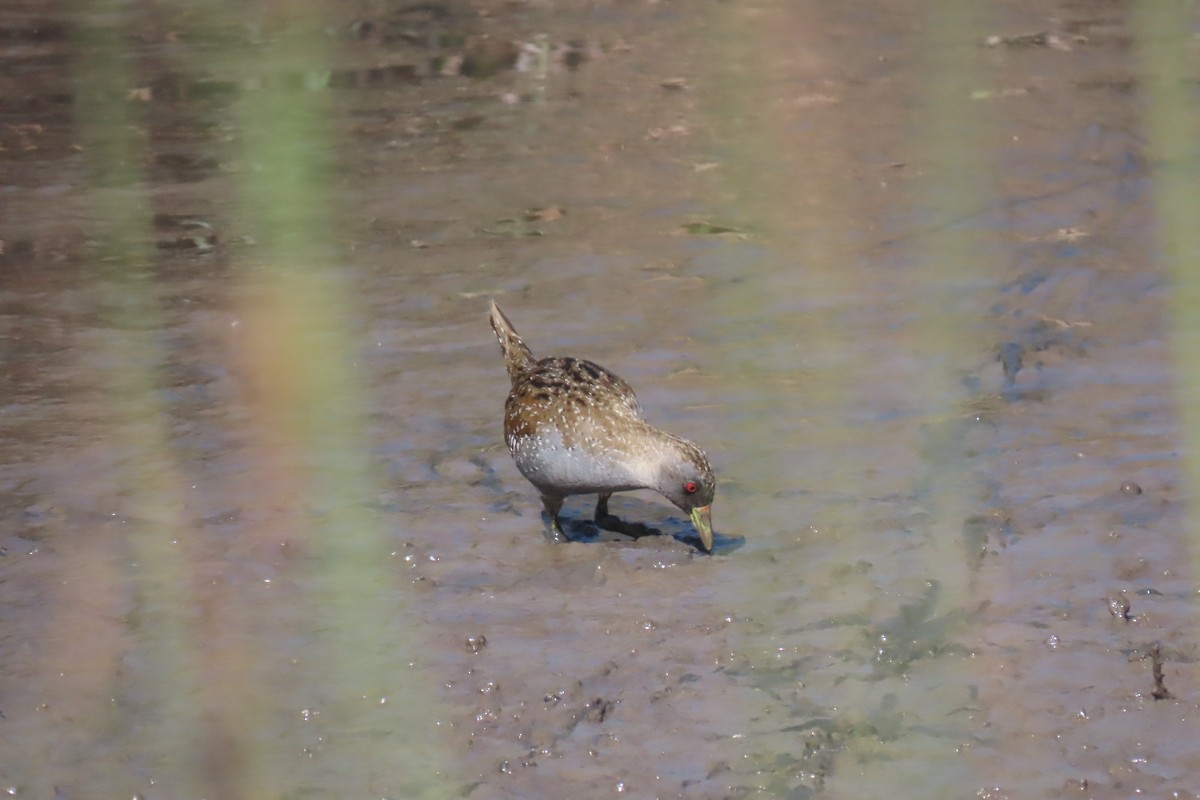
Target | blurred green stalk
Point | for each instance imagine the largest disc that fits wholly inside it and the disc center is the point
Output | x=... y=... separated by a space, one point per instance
x=952 y=260
x=808 y=210
x=126 y=349
x=1167 y=47
x=314 y=401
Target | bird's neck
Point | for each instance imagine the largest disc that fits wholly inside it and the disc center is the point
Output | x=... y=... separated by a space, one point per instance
x=657 y=450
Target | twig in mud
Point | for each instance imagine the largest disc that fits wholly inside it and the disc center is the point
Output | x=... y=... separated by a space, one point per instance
x=1156 y=661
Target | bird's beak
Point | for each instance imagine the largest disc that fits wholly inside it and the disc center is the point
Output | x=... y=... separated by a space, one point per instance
x=702 y=519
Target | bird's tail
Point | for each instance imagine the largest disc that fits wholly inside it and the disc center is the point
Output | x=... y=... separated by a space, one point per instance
x=517 y=356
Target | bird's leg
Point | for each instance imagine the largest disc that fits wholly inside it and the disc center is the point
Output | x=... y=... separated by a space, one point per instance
x=610 y=522
x=602 y=507
x=553 y=504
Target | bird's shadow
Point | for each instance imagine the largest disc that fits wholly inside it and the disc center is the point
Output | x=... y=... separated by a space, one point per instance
x=588 y=531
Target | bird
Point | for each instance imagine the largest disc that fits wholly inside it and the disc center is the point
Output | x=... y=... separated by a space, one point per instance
x=574 y=427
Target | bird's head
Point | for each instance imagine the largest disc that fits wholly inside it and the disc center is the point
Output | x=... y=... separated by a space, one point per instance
x=686 y=479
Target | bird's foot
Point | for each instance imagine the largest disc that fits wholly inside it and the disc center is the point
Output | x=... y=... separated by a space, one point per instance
x=551 y=505
x=554 y=532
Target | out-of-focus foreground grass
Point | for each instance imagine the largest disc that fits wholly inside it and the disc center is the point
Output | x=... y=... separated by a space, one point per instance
x=216 y=691
x=1169 y=61
x=215 y=684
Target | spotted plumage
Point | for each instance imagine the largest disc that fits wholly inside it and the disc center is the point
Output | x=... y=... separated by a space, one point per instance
x=574 y=427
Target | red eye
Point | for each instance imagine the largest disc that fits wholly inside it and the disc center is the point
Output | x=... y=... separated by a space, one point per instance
x=690 y=487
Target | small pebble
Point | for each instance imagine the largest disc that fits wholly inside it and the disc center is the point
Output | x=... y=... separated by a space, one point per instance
x=1130 y=489
x=1118 y=606
x=476 y=643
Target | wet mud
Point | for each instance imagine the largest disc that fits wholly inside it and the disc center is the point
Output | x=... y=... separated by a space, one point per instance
x=952 y=550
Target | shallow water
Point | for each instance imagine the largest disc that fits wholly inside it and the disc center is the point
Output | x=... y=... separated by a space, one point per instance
x=930 y=363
